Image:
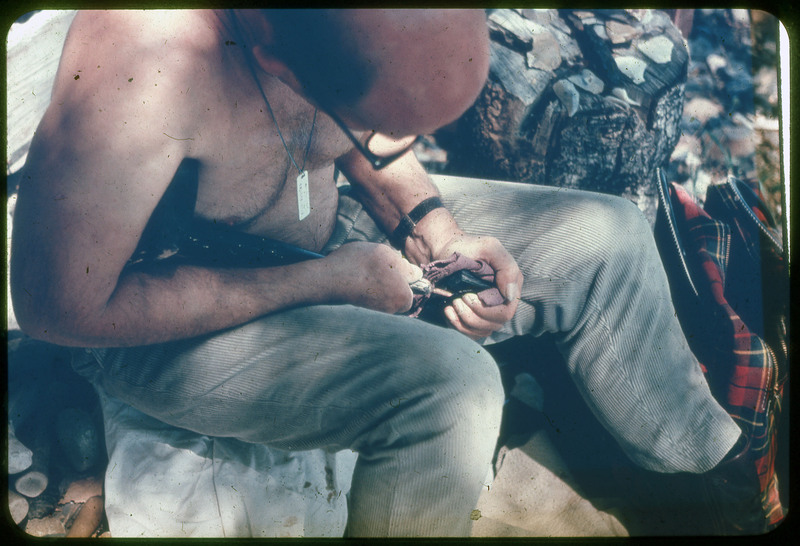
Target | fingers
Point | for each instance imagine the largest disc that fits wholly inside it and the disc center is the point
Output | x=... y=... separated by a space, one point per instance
x=470 y=317
x=508 y=276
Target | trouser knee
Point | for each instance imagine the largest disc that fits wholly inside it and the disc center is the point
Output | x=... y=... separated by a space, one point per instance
x=457 y=385
x=620 y=235
x=466 y=369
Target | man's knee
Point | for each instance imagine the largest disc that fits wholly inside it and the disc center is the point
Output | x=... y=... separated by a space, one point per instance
x=618 y=232
x=445 y=384
x=619 y=219
x=456 y=372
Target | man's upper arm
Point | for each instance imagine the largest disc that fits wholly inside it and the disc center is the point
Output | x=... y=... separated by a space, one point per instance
x=98 y=165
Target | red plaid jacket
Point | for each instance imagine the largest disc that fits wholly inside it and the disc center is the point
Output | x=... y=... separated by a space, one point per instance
x=733 y=297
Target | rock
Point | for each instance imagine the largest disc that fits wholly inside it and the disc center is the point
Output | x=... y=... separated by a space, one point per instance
x=511 y=68
x=568 y=95
x=620 y=33
x=19 y=457
x=766 y=82
x=738 y=140
x=43 y=505
x=49 y=526
x=716 y=62
x=17 y=506
x=528 y=391
x=658 y=49
x=546 y=52
x=702 y=109
x=78 y=436
x=511 y=28
x=88 y=518
x=632 y=67
x=588 y=81
x=82 y=490
x=67 y=512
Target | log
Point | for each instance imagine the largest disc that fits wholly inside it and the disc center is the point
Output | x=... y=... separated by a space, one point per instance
x=20 y=457
x=88 y=519
x=17 y=506
x=31 y=484
x=588 y=99
x=34 y=481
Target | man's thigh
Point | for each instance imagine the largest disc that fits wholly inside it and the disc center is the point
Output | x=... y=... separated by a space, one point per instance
x=301 y=379
x=522 y=216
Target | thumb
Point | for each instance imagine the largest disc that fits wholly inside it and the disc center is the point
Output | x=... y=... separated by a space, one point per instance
x=509 y=284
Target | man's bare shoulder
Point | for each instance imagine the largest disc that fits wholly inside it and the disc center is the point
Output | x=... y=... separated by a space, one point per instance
x=126 y=74
x=113 y=58
x=143 y=29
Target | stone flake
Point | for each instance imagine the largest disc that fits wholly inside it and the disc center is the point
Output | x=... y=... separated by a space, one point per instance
x=659 y=49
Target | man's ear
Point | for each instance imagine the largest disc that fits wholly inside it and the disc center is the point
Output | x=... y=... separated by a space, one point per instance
x=271 y=64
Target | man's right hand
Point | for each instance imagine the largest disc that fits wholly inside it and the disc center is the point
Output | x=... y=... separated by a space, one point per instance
x=372 y=275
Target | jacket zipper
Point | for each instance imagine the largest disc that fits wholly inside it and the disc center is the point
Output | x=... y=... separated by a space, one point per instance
x=728 y=242
x=662 y=188
x=773 y=390
x=752 y=215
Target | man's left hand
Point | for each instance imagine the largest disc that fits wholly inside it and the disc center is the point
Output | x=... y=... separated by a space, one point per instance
x=467 y=314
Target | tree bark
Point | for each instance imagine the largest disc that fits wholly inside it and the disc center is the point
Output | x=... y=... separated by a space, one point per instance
x=578 y=99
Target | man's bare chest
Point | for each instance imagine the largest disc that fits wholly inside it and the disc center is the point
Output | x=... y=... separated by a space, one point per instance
x=248 y=178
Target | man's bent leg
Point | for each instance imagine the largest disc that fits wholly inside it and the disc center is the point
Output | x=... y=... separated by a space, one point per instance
x=421 y=405
x=594 y=279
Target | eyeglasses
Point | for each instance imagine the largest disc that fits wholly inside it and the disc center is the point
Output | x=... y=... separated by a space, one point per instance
x=380 y=150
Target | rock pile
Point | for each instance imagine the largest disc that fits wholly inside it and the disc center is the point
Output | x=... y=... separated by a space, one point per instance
x=730 y=121
x=56 y=450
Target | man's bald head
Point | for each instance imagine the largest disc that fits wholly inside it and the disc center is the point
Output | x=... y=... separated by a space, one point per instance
x=394 y=71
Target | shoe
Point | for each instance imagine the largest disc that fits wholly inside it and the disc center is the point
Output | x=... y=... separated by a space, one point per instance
x=742 y=493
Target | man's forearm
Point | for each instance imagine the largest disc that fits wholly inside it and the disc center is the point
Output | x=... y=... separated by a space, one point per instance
x=181 y=302
x=393 y=192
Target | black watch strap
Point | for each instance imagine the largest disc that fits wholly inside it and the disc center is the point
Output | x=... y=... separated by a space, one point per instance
x=410 y=220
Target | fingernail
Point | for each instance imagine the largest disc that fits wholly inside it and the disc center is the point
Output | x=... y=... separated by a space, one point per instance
x=512 y=291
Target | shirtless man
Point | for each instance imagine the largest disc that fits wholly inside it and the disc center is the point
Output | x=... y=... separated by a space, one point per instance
x=313 y=354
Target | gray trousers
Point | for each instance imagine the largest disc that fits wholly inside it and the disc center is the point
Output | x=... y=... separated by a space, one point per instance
x=422 y=404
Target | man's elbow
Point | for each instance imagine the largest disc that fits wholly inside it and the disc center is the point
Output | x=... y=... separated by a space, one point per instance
x=42 y=320
x=32 y=321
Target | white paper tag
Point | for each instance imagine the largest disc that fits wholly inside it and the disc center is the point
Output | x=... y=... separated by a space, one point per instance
x=303 y=200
